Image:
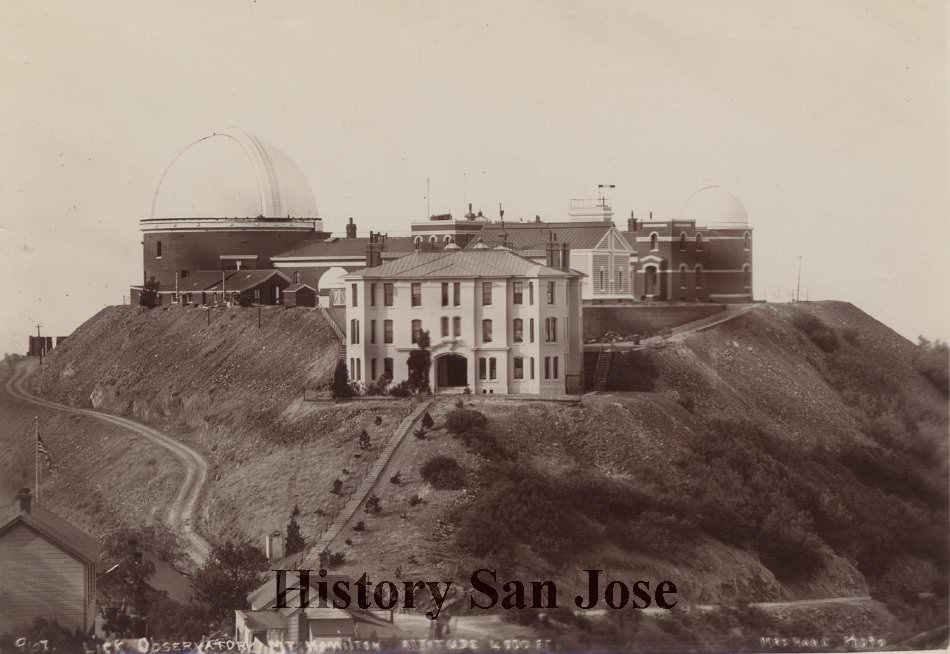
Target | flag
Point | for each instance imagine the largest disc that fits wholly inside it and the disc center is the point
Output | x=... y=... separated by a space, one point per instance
x=41 y=449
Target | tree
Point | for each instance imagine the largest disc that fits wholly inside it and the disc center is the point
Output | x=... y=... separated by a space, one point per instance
x=231 y=571
x=427 y=421
x=149 y=294
x=419 y=360
x=124 y=587
x=295 y=542
x=341 y=381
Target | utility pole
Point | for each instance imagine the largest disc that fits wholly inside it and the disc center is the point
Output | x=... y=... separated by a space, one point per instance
x=798 y=284
x=36 y=458
x=427 y=200
x=39 y=343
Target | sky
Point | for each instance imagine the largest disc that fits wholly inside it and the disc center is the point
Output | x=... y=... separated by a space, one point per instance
x=828 y=120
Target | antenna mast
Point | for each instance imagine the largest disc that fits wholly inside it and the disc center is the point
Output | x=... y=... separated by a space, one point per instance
x=798 y=284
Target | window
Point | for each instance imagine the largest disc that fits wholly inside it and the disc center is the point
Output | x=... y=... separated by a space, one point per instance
x=550 y=292
x=445 y=326
x=482 y=368
x=531 y=293
x=387 y=331
x=746 y=276
x=619 y=280
x=602 y=277
x=445 y=294
x=682 y=241
x=352 y=368
x=456 y=293
x=417 y=242
x=517 y=292
x=492 y=369
x=550 y=330
x=372 y=295
x=388 y=368
x=416 y=292
x=486 y=293
x=158 y=249
x=746 y=240
x=518 y=368
x=257 y=296
x=416 y=330
x=699 y=276
x=654 y=239
x=699 y=242
x=353 y=289
x=486 y=331
x=354 y=331
x=547 y=367
x=531 y=330
x=531 y=361
x=446 y=239
x=683 y=275
x=517 y=332
x=456 y=326
x=372 y=334
x=372 y=369
x=388 y=294
x=554 y=366
x=359 y=371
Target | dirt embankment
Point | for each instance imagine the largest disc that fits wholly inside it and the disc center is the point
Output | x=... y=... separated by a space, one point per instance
x=233 y=391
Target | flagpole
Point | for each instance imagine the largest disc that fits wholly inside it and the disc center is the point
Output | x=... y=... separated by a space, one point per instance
x=36 y=457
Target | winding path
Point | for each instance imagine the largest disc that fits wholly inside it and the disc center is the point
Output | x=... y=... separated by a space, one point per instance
x=180 y=513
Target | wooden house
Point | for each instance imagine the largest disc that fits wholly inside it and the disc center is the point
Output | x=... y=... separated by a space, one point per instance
x=47 y=569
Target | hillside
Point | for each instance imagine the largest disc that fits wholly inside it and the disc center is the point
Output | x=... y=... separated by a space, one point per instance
x=794 y=452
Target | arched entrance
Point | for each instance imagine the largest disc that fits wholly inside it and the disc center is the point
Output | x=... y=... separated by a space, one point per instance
x=451 y=372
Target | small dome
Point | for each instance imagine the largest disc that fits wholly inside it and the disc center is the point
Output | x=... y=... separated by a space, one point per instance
x=711 y=205
x=451 y=246
x=480 y=245
x=233 y=174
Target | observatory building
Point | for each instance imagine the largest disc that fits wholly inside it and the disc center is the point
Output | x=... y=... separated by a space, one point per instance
x=227 y=202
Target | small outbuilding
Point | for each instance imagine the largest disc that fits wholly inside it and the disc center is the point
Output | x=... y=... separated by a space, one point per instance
x=300 y=295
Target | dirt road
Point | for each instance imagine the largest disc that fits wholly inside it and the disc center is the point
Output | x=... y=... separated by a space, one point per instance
x=180 y=512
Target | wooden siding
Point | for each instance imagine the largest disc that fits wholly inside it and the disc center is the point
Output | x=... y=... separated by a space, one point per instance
x=38 y=579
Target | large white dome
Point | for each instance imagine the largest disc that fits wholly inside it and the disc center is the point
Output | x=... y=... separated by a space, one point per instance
x=711 y=205
x=233 y=174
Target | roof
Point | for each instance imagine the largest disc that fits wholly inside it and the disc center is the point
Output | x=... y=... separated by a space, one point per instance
x=293 y=288
x=239 y=281
x=260 y=620
x=534 y=236
x=198 y=280
x=231 y=173
x=266 y=593
x=345 y=247
x=55 y=529
x=461 y=263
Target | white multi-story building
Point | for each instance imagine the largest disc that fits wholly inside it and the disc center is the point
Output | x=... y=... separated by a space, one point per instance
x=497 y=322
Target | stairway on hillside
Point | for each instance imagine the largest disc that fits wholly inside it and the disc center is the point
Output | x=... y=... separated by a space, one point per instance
x=341 y=336
x=602 y=370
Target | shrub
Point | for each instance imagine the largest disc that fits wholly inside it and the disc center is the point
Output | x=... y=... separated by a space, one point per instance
x=484 y=443
x=336 y=559
x=427 y=421
x=378 y=387
x=341 y=381
x=245 y=300
x=443 y=472
x=359 y=526
x=401 y=389
x=816 y=330
x=933 y=362
x=459 y=421
x=415 y=500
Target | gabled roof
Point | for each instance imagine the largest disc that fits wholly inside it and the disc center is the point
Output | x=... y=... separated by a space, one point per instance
x=55 y=529
x=534 y=236
x=265 y=595
x=199 y=280
x=460 y=263
x=244 y=280
x=293 y=288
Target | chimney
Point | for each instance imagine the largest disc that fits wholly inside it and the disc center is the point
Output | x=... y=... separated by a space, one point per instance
x=351 y=229
x=632 y=223
x=374 y=250
x=26 y=500
x=565 y=256
x=553 y=252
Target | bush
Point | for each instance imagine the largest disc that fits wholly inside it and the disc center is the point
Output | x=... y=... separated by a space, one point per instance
x=359 y=526
x=341 y=381
x=816 y=330
x=459 y=421
x=484 y=443
x=378 y=387
x=933 y=362
x=443 y=472
x=401 y=389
